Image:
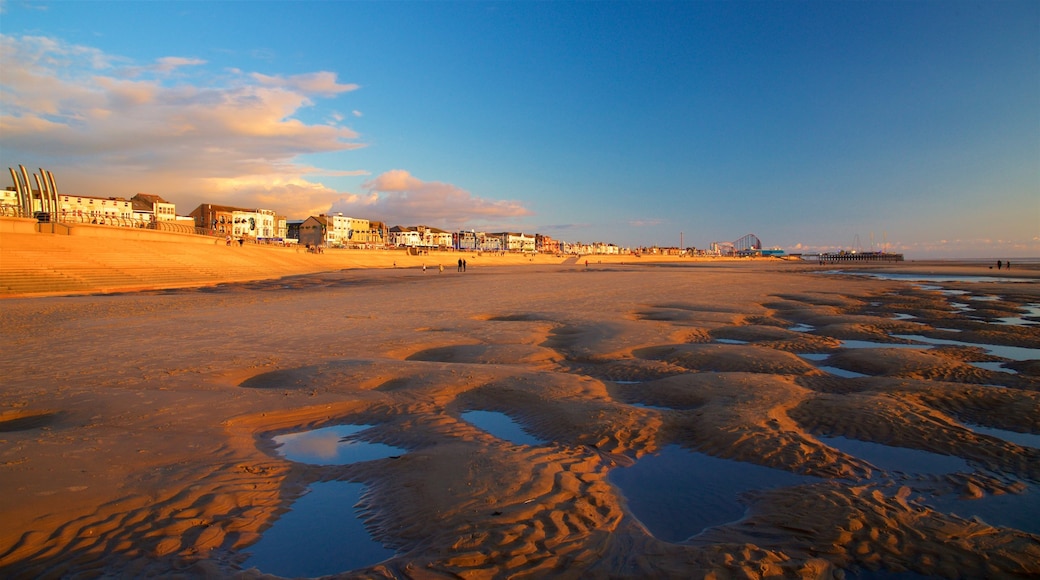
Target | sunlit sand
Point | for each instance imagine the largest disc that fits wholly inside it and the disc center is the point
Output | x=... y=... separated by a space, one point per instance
x=138 y=430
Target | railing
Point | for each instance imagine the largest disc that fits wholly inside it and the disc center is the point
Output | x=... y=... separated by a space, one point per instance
x=119 y=222
x=13 y=211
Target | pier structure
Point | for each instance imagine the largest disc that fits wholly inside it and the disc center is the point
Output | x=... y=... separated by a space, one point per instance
x=844 y=257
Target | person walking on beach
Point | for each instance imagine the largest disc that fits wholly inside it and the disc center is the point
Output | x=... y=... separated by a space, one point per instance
x=464 y=265
x=460 y=264
x=999 y=264
x=440 y=268
x=424 y=268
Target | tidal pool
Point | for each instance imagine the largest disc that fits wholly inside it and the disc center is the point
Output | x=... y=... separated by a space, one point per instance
x=1032 y=310
x=1023 y=439
x=320 y=535
x=1008 y=352
x=677 y=493
x=1011 y=510
x=336 y=445
x=502 y=426
x=899 y=459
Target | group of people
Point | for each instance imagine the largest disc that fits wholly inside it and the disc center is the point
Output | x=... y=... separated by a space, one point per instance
x=440 y=267
x=1005 y=265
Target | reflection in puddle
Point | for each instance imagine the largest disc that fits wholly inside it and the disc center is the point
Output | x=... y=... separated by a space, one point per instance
x=1013 y=510
x=997 y=367
x=899 y=459
x=321 y=535
x=871 y=344
x=929 y=277
x=502 y=426
x=800 y=327
x=839 y=372
x=678 y=493
x=1032 y=311
x=1009 y=352
x=836 y=371
x=1023 y=439
x=730 y=341
x=336 y=445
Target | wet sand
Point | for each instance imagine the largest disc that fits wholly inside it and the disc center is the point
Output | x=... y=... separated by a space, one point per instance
x=135 y=428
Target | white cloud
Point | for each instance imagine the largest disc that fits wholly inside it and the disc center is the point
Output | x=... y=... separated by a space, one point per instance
x=399 y=198
x=106 y=126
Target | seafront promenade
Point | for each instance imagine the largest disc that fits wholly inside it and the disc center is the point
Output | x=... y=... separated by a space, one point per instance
x=35 y=264
x=85 y=258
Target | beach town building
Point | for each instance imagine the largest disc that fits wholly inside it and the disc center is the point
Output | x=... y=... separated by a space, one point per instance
x=420 y=237
x=546 y=245
x=436 y=238
x=378 y=234
x=238 y=222
x=311 y=231
x=94 y=209
x=335 y=231
x=256 y=224
x=152 y=208
x=516 y=242
x=292 y=230
x=405 y=237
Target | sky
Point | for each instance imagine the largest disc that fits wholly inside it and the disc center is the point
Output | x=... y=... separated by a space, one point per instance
x=910 y=127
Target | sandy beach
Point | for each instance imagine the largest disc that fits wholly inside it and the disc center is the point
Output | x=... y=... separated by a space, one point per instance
x=136 y=427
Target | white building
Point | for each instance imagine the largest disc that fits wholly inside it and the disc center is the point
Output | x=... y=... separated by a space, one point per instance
x=516 y=242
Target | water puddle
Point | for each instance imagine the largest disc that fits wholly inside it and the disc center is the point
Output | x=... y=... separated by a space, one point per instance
x=502 y=426
x=839 y=372
x=997 y=367
x=321 y=535
x=1032 y=310
x=336 y=445
x=677 y=493
x=1008 y=352
x=928 y=277
x=801 y=327
x=730 y=341
x=899 y=459
x=1023 y=439
x=871 y=344
x=1011 y=510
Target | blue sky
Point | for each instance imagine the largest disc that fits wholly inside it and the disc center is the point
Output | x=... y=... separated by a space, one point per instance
x=810 y=124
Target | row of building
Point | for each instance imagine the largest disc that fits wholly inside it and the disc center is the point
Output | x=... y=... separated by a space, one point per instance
x=265 y=226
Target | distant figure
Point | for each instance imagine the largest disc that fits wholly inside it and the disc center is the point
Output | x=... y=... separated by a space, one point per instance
x=1007 y=265
x=460 y=264
x=464 y=265
x=586 y=264
x=424 y=268
x=440 y=268
x=999 y=264
x=241 y=241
